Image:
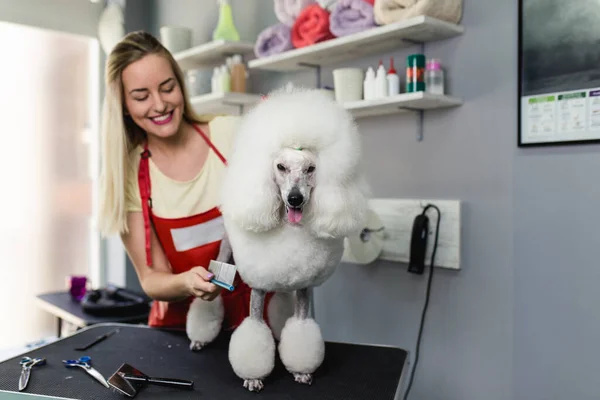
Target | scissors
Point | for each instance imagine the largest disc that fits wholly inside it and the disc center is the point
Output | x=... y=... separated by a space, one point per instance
x=26 y=364
x=85 y=363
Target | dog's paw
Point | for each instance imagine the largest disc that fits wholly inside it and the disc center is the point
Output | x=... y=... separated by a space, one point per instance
x=301 y=348
x=196 y=345
x=252 y=350
x=303 y=378
x=204 y=321
x=254 y=385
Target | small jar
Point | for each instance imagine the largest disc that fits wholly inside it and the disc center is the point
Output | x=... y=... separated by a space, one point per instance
x=434 y=77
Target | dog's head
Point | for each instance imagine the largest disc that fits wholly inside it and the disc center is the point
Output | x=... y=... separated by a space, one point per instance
x=295 y=175
x=296 y=159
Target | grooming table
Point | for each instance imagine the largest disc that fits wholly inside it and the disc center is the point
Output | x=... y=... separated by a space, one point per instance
x=349 y=371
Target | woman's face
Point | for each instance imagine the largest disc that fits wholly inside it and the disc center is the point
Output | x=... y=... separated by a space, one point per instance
x=153 y=97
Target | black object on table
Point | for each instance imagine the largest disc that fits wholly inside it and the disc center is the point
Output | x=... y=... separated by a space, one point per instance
x=61 y=305
x=349 y=371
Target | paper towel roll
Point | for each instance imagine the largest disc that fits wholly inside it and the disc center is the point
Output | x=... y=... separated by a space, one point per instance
x=365 y=250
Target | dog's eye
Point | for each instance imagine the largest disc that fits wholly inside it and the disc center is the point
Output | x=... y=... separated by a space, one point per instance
x=311 y=169
x=280 y=167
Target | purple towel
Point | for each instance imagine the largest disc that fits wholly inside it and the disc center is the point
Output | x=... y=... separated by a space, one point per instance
x=288 y=10
x=273 y=40
x=351 y=16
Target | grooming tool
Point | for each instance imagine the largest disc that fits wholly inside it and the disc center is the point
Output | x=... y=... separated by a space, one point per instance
x=97 y=340
x=128 y=380
x=224 y=274
x=26 y=364
x=85 y=363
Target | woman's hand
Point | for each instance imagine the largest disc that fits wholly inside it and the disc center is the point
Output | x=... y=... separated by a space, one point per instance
x=197 y=280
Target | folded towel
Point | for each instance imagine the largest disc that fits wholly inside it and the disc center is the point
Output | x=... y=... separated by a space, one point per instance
x=351 y=16
x=288 y=10
x=311 y=26
x=273 y=40
x=390 y=11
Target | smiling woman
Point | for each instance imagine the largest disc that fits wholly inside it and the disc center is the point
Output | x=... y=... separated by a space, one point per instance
x=161 y=171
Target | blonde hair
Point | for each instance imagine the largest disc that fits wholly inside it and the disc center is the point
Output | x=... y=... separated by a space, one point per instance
x=120 y=134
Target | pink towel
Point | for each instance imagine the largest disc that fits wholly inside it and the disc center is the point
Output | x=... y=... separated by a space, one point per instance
x=351 y=16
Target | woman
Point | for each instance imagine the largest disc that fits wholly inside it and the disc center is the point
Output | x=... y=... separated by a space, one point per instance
x=160 y=178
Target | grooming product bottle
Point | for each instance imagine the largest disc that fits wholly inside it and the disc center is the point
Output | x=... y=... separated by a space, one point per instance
x=238 y=74
x=434 y=77
x=225 y=79
x=415 y=73
x=369 y=84
x=393 y=80
x=381 y=85
x=225 y=29
x=215 y=81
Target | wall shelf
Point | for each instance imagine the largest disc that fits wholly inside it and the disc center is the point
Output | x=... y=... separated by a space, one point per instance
x=212 y=53
x=224 y=103
x=417 y=101
x=381 y=39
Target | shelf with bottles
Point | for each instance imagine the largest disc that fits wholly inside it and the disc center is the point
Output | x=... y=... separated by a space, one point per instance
x=212 y=53
x=382 y=39
x=230 y=103
x=403 y=102
x=379 y=91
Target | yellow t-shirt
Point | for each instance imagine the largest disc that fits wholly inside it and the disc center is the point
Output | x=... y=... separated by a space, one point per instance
x=179 y=199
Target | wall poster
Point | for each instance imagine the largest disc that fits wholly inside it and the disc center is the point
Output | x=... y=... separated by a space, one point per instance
x=559 y=72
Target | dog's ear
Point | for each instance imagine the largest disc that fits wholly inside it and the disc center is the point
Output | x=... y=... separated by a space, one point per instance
x=249 y=195
x=339 y=209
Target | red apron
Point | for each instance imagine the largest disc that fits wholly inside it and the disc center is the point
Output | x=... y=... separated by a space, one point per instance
x=206 y=231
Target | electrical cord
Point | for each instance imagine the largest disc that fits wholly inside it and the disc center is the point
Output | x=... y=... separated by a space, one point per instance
x=427 y=293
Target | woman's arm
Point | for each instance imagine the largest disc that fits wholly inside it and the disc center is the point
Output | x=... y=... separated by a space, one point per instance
x=158 y=280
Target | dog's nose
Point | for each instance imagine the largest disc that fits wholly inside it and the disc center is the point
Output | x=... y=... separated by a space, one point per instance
x=295 y=198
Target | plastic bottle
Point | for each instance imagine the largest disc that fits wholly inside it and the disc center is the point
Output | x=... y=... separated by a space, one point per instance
x=369 y=85
x=225 y=29
x=434 y=77
x=215 y=81
x=225 y=79
x=381 y=86
x=393 y=80
x=238 y=74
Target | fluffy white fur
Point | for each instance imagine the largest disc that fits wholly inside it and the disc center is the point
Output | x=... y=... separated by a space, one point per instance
x=252 y=351
x=204 y=321
x=270 y=254
x=301 y=143
x=301 y=348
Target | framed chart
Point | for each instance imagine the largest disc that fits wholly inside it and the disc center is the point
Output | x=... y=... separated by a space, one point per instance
x=559 y=72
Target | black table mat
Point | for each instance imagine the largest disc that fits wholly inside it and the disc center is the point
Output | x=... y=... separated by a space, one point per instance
x=349 y=371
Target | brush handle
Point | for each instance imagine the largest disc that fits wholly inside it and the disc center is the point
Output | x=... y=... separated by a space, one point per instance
x=169 y=382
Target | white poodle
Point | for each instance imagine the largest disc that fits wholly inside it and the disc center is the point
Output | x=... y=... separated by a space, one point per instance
x=293 y=189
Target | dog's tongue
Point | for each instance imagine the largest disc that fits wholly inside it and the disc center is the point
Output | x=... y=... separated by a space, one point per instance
x=294 y=215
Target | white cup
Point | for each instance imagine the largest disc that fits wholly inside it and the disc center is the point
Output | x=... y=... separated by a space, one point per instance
x=348 y=84
x=176 y=38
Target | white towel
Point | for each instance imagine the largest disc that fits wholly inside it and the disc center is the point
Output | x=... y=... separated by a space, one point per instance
x=288 y=10
x=390 y=11
x=327 y=4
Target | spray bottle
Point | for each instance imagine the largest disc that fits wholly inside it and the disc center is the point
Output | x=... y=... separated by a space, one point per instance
x=225 y=29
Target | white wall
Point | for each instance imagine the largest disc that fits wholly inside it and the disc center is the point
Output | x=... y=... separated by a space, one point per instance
x=73 y=16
